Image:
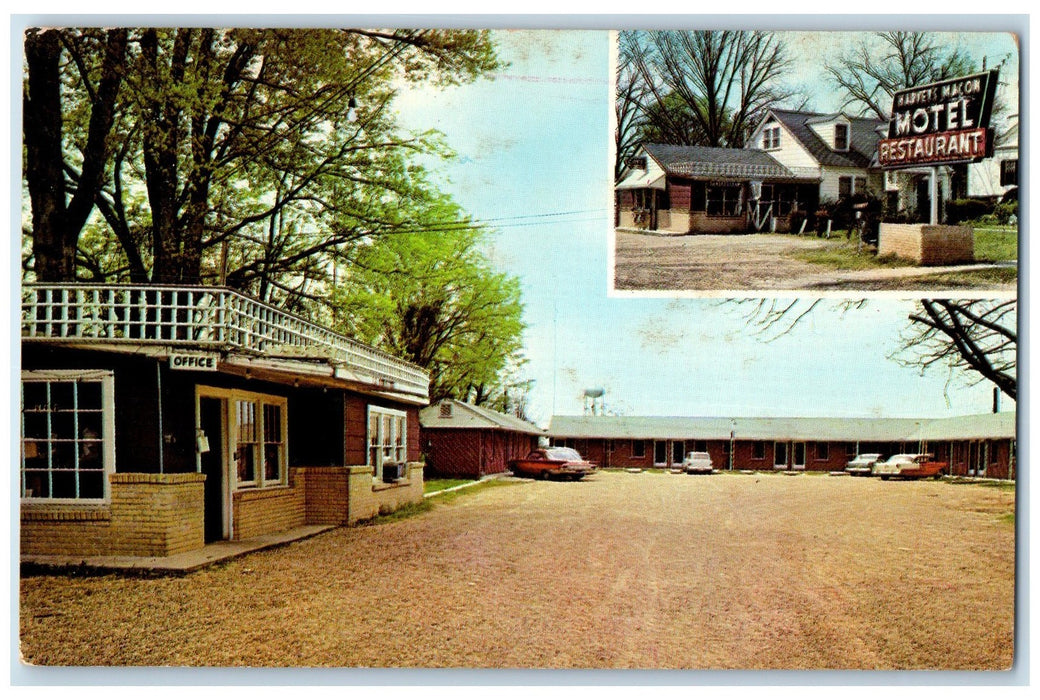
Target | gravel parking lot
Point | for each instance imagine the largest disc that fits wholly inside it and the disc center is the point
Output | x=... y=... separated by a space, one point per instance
x=649 y=570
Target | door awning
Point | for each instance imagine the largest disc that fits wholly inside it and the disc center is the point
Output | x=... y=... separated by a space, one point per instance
x=641 y=180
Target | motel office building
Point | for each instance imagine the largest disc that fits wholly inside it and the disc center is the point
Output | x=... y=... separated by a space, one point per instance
x=980 y=445
x=157 y=419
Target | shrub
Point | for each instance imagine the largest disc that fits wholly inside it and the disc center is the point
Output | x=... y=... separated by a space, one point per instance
x=959 y=210
x=1004 y=211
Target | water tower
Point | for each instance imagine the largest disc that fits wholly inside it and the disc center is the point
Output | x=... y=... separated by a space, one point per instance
x=591 y=396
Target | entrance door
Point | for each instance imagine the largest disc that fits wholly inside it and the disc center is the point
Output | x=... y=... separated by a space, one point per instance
x=211 y=422
x=678 y=452
x=799 y=455
x=780 y=455
x=660 y=453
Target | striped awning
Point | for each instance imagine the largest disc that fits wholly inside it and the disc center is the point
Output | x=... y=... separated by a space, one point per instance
x=641 y=180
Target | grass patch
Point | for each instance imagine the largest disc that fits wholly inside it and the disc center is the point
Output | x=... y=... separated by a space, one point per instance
x=1008 y=518
x=412 y=509
x=431 y=485
x=996 y=244
x=844 y=256
x=999 y=485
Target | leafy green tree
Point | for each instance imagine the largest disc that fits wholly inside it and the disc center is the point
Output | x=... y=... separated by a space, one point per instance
x=226 y=142
x=432 y=297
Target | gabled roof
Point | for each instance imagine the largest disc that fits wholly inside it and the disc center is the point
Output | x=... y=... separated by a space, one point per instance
x=465 y=415
x=707 y=162
x=992 y=426
x=863 y=137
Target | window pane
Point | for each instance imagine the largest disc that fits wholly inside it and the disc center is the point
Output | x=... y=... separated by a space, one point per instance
x=36 y=425
x=92 y=484
x=62 y=396
x=36 y=484
x=34 y=396
x=272 y=462
x=64 y=484
x=89 y=397
x=246 y=461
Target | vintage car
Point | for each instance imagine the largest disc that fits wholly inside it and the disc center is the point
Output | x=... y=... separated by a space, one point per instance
x=863 y=464
x=552 y=462
x=909 y=466
x=697 y=463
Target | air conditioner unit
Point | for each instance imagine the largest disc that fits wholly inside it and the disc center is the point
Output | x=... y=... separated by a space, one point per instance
x=392 y=472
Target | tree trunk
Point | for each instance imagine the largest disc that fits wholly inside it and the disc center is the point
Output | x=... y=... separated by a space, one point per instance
x=55 y=254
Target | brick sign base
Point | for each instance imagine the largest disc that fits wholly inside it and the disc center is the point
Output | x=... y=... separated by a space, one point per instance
x=926 y=244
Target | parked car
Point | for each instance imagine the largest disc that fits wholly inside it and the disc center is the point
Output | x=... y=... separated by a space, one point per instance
x=863 y=465
x=556 y=462
x=697 y=463
x=910 y=466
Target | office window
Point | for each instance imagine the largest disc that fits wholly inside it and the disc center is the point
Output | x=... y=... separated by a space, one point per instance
x=67 y=434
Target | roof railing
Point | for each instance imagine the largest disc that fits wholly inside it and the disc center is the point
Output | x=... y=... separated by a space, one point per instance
x=208 y=317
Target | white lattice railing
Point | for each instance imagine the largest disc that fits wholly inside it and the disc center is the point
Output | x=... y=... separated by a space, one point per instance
x=209 y=317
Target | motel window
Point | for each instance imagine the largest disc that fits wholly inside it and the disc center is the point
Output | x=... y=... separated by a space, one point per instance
x=68 y=434
x=1009 y=173
x=678 y=451
x=859 y=185
x=660 y=452
x=722 y=199
x=259 y=432
x=700 y=446
x=823 y=451
x=771 y=138
x=639 y=448
x=841 y=137
x=387 y=439
x=844 y=187
x=781 y=197
x=758 y=450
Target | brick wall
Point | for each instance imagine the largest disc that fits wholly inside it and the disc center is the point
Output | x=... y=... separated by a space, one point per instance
x=326 y=494
x=702 y=223
x=264 y=511
x=368 y=498
x=147 y=515
x=928 y=245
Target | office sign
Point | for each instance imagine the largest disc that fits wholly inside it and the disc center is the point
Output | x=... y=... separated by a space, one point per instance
x=195 y=361
x=942 y=122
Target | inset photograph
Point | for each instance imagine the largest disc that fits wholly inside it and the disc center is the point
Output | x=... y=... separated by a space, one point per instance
x=857 y=161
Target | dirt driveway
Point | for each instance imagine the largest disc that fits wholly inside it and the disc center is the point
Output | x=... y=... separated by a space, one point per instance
x=623 y=570
x=758 y=262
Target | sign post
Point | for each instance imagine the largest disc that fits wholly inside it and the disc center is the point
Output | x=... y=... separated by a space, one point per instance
x=934 y=126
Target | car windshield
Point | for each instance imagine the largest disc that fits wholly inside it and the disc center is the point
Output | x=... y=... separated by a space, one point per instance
x=564 y=453
x=697 y=455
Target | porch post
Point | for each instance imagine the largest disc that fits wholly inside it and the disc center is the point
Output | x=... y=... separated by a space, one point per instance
x=933 y=195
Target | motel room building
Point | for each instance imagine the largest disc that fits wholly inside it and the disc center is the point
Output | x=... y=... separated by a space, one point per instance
x=156 y=419
x=464 y=441
x=977 y=445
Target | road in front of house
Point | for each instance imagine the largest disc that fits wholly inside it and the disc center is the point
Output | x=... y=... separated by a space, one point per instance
x=763 y=262
x=621 y=570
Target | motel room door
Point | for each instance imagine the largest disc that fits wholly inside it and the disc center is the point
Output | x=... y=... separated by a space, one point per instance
x=212 y=412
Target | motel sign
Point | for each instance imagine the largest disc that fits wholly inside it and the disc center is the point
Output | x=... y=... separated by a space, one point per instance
x=940 y=123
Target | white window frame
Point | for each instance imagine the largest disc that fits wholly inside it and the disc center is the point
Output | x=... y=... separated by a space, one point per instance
x=231 y=398
x=771 y=138
x=848 y=136
x=396 y=441
x=108 y=429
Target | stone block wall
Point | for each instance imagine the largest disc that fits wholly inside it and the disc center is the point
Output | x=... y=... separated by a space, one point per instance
x=266 y=511
x=928 y=245
x=147 y=515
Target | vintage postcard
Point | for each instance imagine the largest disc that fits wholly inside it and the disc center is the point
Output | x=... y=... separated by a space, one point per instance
x=391 y=348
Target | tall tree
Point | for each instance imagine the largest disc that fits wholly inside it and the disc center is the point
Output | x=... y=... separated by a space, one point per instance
x=881 y=64
x=630 y=96
x=726 y=80
x=64 y=176
x=433 y=298
x=233 y=134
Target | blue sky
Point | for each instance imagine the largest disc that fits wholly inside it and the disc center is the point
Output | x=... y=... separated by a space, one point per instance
x=536 y=140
